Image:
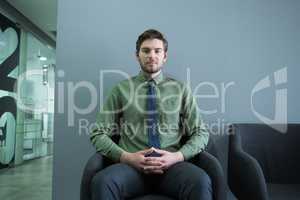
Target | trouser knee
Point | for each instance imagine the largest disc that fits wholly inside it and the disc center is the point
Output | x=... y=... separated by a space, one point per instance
x=201 y=187
x=103 y=184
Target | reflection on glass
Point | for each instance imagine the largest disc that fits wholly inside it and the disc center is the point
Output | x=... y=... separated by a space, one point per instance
x=37 y=97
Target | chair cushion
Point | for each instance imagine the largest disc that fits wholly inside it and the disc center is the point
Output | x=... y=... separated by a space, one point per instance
x=153 y=197
x=284 y=191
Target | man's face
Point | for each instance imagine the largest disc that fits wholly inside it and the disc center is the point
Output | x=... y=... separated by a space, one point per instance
x=152 y=56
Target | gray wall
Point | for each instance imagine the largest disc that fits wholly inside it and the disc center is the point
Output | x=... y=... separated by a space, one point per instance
x=219 y=41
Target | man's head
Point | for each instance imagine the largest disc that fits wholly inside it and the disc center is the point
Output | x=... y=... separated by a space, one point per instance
x=151 y=51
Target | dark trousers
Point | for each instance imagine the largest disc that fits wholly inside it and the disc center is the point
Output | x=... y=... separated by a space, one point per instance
x=183 y=180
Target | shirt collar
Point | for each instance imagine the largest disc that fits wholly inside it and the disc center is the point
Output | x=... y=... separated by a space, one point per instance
x=143 y=77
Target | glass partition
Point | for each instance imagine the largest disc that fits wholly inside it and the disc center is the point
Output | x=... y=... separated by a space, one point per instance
x=37 y=99
x=26 y=95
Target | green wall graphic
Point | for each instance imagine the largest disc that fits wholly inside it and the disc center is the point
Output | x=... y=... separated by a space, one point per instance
x=9 y=60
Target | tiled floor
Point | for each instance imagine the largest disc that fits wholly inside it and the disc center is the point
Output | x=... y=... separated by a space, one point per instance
x=29 y=181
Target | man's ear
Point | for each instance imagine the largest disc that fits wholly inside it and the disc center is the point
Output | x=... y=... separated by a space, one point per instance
x=136 y=54
x=137 y=57
x=165 y=57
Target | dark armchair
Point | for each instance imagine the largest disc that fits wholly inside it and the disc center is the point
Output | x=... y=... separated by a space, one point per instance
x=204 y=160
x=265 y=162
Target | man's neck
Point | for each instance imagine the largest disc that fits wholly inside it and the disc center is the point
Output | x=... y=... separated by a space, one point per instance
x=152 y=75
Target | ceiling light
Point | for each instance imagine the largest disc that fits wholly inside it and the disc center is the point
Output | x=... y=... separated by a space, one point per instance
x=42 y=58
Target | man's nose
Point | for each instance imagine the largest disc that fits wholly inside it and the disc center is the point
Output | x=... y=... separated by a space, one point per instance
x=151 y=54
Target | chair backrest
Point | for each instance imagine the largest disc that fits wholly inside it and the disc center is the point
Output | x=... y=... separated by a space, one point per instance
x=277 y=153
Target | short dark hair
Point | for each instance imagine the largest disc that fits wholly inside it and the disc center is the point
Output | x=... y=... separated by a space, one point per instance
x=151 y=34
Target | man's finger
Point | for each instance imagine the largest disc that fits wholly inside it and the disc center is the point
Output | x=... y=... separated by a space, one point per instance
x=152 y=163
x=159 y=151
x=152 y=168
x=146 y=151
x=154 y=159
x=157 y=172
x=154 y=171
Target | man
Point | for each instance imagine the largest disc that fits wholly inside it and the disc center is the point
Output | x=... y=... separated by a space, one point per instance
x=151 y=113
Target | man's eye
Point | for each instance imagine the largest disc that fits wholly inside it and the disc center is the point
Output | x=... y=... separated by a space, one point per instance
x=145 y=50
x=158 y=51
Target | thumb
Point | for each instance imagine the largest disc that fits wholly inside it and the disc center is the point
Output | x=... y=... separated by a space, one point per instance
x=146 y=151
x=158 y=150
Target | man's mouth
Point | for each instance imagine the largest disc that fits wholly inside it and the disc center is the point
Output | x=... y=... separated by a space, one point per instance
x=151 y=63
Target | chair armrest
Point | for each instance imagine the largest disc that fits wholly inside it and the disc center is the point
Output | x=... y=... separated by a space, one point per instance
x=245 y=176
x=213 y=168
x=94 y=164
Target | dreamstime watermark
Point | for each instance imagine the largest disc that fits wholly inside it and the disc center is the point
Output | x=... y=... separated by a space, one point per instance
x=66 y=102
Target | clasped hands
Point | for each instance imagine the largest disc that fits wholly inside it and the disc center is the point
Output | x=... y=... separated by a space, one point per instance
x=151 y=165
